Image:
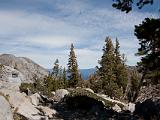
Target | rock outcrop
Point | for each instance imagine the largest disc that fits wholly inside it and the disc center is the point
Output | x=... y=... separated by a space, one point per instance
x=47 y=111
x=9 y=74
x=116 y=108
x=27 y=67
x=35 y=99
x=5 y=109
x=149 y=92
x=83 y=104
x=21 y=104
x=149 y=109
x=148 y=103
x=59 y=94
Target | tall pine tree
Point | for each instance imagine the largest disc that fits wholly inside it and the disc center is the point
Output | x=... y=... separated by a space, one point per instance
x=64 y=78
x=73 y=74
x=55 y=70
x=120 y=68
x=106 y=70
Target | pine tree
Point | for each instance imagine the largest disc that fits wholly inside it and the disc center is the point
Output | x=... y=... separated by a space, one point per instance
x=106 y=70
x=81 y=81
x=57 y=76
x=73 y=68
x=148 y=34
x=120 y=68
x=64 y=78
x=133 y=87
x=55 y=70
x=60 y=74
x=94 y=83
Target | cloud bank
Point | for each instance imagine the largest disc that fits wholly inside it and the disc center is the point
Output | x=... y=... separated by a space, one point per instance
x=43 y=30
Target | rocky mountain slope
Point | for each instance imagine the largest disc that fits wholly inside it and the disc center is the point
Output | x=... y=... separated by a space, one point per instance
x=25 y=66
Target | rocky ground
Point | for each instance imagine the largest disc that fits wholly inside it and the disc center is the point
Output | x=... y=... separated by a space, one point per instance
x=148 y=103
x=64 y=105
x=37 y=107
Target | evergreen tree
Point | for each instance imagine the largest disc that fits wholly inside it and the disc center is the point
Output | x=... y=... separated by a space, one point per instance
x=127 y=5
x=57 y=76
x=55 y=70
x=148 y=34
x=133 y=87
x=106 y=70
x=94 y=83
x=120 y=68
x=73 y=74
x=50 y=83
x=60 y=74
x=81 y=81
x=64 y=78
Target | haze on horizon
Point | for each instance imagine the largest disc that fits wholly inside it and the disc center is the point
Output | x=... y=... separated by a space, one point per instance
x=43 y=30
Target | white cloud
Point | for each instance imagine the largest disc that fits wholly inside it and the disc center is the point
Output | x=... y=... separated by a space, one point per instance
x=45 y=37
x=49 y=41
x=88 y=57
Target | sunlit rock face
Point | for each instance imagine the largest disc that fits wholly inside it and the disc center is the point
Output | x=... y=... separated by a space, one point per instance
x=5 y=111
x=25 y=66
x=11 y=75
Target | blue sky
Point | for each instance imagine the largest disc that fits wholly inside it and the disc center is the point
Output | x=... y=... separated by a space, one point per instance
x=44 y=29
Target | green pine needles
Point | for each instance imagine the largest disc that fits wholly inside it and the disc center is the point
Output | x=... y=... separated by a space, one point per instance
x=73 y=73
x=112 y=71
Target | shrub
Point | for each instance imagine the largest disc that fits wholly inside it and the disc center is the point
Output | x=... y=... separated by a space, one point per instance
x=44 y=86
x=17 y=116
x=25 y=86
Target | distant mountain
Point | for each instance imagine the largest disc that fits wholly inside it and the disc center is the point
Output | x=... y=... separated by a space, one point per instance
x=84 y=72
x=87 y=72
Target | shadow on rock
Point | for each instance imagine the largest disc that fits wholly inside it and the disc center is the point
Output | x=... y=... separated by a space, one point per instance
x=149 y=109
x=86 y=108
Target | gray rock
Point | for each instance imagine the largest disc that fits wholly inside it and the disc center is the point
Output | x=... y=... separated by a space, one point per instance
x=149 y=92
x=27 y=106
x=59 y=94
x=130 y=107
x=149 y=109
x=5 y=111
x=53 y=93
x=9 y=86
x=27 y=67
x=47 y=111
x=22 y=104
x=88 y=89
x=11 y=75
x=117 y=108
x=35 y=99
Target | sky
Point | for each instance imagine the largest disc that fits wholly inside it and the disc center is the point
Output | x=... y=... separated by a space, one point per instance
x=43 y=30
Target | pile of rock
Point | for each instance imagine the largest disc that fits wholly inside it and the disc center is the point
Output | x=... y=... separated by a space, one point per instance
x=28 y=106
x=148 y=103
